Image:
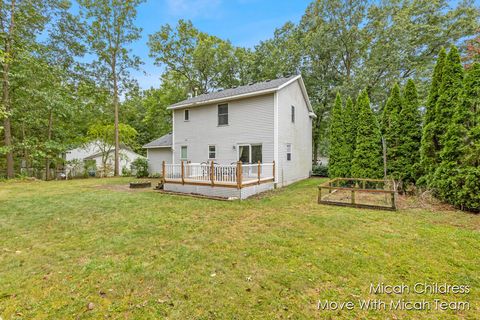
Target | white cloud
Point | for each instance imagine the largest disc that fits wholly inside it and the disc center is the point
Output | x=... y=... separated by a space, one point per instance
x=194 y=8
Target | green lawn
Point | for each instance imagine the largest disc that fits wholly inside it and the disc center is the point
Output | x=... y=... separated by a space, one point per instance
x=145 y=255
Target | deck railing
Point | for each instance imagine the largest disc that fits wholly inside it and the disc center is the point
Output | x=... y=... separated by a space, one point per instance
x=236 y=175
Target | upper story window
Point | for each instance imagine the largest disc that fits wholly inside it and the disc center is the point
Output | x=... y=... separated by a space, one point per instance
x=186 y=115
x=222 y=114
x=289 y=151
x=183 y=153
x=293 y=114
x=212 y=152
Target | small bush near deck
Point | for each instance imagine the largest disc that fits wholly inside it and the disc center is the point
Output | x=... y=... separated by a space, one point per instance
x=320 y=170
x=141 y=166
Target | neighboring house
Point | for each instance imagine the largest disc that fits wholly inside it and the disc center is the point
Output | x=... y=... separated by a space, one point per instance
x=76 y=158
x=267 y=122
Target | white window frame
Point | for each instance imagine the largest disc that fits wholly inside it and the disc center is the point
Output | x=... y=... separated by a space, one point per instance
x=218 y=114
x=289 y=151
x=181 y=153
x=249 y=145
x=214 y=151
x=185 y=113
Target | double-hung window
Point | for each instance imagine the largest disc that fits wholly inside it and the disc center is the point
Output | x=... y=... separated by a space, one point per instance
x=289 y=151
x=212 y=152
x=223 y=114
x=186 y=115
x=293 y=114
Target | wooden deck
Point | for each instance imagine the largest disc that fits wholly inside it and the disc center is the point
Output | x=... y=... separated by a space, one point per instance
x=230 y=176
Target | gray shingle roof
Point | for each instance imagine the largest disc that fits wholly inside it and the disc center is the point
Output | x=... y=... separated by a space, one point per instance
x=164 y=141
x=223 y=94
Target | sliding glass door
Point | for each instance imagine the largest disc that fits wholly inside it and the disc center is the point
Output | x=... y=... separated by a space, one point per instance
x=250 y=153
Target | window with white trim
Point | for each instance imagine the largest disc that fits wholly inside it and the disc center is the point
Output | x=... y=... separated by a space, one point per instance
x=289 y=151
x=183 y=153
x=293 y=114
x=223 y=114
x=212 y=152
x=186 y=115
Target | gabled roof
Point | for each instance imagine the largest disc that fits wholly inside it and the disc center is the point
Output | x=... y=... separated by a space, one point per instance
x=122 y=147
x=249 y=90
x=162 y=142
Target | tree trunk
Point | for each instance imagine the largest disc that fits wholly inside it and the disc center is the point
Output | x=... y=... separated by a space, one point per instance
x=117 y=138
x=6 y=97
x=49 y=137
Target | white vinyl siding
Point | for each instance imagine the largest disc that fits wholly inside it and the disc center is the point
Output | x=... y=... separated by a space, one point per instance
x=299 y=136
x=250 y=122
x=156 y=156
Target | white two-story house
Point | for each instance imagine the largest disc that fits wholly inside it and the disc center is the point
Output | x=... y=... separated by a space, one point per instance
x=266 y=126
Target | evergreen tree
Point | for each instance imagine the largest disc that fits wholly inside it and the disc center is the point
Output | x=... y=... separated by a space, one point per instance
x=410 y=134
x=339 y=159
x=450 y=91
x=430 y=142
x=367 y=158
x=350 y=123
x=391 y=131
x=457 y=180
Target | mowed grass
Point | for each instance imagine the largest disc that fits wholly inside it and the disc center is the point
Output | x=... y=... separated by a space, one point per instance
x=145 y=255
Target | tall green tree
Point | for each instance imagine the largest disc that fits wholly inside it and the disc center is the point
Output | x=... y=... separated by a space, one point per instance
x=457 y=178
x=202 y=61
x=367 y=158
x=410 y=134
x=390 y=127
x=339 y=157
x=450 y=91
x=430 y=141
x=111 y=25
x=350 y=123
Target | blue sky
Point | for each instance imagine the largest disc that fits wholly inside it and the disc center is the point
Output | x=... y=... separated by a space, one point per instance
x=243 y=22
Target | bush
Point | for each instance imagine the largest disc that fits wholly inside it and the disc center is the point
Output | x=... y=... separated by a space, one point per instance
x=141 y=167
x=126 y=172
x=320 y=170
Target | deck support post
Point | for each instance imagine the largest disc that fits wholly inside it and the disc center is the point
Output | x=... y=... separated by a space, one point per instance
x=163 y=171
x=212 y=173
x=273 y=171
x=183 y=173
x=239 y=174
x=259 y=171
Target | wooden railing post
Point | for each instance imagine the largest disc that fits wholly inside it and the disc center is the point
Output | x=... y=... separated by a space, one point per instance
x=183 y=173
x=212 y=173
x=239 y=174
x=353 y=197
x=163 y=171
x=259 y=171
x=273 y=171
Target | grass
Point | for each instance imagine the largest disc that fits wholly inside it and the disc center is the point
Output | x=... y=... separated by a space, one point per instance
x=144 y=255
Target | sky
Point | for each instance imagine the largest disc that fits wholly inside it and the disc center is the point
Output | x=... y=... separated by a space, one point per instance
x=243 y=22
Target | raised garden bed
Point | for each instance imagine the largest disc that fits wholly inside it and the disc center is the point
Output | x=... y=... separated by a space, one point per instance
x=140 y=184
x=359 y=193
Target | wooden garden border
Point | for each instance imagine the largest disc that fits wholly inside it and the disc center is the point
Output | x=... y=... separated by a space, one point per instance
x=330 y=185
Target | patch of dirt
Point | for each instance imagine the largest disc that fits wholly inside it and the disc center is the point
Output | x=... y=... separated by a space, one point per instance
x=121 y=187
x=425 y=201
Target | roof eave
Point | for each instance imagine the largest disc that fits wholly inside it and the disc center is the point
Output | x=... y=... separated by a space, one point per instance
x=155 y=147
x=219 y=100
